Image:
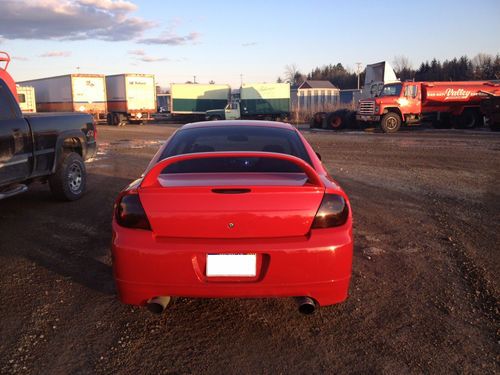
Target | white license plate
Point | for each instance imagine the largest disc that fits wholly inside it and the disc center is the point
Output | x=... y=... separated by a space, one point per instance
x=232 y=265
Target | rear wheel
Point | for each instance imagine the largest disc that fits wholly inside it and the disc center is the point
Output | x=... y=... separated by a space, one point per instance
x=469 y=119
x=116 y=119
x=69 y=180
x=335 y=120
x=391 y=122
x=215 y=118
x=317 y=120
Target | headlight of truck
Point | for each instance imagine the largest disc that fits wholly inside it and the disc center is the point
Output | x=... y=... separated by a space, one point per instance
x=377 y=108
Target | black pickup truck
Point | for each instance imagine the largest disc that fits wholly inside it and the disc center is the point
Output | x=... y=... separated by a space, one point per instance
x=48 y=147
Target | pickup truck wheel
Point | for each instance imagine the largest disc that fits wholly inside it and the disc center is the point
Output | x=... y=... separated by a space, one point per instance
x=215 y=118
x=391 y=122
x=69 y=180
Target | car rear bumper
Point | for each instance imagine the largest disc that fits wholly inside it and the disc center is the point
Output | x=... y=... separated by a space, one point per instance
x=317 y=266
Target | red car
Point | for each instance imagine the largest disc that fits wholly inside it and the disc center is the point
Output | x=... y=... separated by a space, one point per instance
x=233 y=209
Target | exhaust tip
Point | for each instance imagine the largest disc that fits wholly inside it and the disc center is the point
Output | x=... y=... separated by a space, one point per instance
x=158 y=304
x=307 y=306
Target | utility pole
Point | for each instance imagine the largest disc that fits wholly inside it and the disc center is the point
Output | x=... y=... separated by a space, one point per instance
x=358 y=71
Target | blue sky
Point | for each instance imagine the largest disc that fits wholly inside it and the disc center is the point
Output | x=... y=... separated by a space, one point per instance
x=219 y=40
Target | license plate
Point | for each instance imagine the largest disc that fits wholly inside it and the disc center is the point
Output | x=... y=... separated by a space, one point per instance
x=231 y=265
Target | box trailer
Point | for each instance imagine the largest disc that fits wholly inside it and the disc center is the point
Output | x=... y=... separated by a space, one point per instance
x=192 y=100
x=259 y=101
x=71 y=93
x=26 y=98
x=131 y=98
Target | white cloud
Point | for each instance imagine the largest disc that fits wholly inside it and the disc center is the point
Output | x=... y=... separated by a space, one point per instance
x=137 y=52
x=117 y=5
x=71 y=20
x=249 y=44
x=20 y=58
x=141 y=55
x=152 y=59
x=56 y=54
x=172 y=39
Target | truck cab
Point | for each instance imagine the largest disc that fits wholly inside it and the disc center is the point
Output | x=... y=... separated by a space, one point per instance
x=397 y=103
x=230 y=112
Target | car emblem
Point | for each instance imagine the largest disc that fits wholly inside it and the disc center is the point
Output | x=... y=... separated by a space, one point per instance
x=230 y=225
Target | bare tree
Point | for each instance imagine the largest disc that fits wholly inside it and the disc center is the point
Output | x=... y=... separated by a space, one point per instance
x=293 y=75
x=482 y=65
x=401 y=63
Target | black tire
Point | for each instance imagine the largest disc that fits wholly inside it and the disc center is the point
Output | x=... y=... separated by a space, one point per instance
x=70 y=179
x=215 y=118
x=469 y=119
x=317 y=120
x=335 y=121
x=116 y=119
x=391 y=122
x=109 y=119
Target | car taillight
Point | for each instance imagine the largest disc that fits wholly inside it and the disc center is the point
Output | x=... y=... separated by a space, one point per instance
x=129 y=211
x=332 y=212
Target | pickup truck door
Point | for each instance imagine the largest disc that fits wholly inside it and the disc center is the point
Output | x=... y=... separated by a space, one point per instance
x=15 y=140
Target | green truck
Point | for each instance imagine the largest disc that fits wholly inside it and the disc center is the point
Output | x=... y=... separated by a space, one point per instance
x=191 y=101
x=258 y=101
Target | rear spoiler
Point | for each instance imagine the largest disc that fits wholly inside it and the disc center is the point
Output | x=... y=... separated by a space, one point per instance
x=151 y=176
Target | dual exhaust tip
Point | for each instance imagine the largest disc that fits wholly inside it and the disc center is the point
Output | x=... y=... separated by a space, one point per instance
x=157 y=305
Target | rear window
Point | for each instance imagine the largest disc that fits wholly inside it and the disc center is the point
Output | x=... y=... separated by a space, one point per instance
x=238 y=138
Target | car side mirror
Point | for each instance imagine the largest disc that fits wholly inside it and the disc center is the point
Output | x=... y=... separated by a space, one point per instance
x=318 y=155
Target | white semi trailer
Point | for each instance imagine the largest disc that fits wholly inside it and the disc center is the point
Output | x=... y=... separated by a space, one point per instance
x=131 y=98
x=71 y=93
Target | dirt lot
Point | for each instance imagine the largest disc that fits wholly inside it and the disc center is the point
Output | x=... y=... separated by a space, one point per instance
x=424 y=293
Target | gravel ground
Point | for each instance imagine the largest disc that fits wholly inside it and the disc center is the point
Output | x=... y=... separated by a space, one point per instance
x=423 y=298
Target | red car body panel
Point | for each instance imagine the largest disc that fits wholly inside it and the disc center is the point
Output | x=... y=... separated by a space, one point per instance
x=190 y=219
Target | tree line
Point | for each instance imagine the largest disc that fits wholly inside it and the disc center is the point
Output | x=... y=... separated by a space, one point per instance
x=481 y=67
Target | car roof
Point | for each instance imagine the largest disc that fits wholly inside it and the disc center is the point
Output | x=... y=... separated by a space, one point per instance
x=232 y=123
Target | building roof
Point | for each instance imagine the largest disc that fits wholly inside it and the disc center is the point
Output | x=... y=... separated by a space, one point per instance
x=317 y=85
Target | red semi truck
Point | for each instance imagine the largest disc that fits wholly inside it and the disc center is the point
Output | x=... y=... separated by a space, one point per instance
x=444 y=103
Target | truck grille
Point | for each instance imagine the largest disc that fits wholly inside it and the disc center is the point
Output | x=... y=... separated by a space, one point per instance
x=367 y=107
